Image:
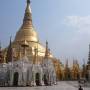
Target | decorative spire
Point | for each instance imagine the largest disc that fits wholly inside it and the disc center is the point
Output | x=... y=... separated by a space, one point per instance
x=10 y=41
x=28 y=1
x=28 y=15
x=89 y=55
x=9 y=52
x=28 y=9
x=47 y=50
x=1 y=56
x=0 y=46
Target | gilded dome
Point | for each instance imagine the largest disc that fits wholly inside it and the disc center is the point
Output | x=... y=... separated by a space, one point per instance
x=28 y=34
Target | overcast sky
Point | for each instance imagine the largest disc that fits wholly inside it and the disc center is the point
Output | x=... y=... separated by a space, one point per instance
x=64 y=23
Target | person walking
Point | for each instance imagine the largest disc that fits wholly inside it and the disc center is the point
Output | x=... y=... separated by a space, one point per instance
x=80 y=88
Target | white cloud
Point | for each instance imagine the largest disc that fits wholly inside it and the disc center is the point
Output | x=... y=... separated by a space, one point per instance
x=79 y=22
x=81 y=27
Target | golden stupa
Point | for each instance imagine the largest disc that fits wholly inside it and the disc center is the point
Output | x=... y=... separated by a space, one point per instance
x=25 y=43
x=27 y=34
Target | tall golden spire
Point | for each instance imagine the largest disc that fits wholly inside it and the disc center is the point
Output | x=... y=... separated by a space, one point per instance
x=28 y=14
x=9 y=52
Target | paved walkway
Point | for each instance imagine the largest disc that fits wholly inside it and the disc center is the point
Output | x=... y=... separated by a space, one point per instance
x=76 y=84
x=61 y=86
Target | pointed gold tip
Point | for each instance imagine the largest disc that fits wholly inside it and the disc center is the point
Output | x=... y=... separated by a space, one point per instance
x=28 y=8
x=28 y=1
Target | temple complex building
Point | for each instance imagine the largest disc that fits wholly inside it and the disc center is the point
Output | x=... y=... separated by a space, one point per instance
x=26 y=62
x=26 y=40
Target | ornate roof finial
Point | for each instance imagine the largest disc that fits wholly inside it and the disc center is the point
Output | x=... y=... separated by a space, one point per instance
x=9 y=52
x=28 y=1
x=1 y=55
x=46 y=42
x=28 y=9
x=0 y=46
x=89 y=55
x=47 y=50
x=10 y=44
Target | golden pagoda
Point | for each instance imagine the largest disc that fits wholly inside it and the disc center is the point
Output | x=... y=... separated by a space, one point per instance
x=28 y=34
x=26 y=43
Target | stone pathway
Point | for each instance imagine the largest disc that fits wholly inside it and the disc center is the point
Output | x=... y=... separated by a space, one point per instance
x=61 y=86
